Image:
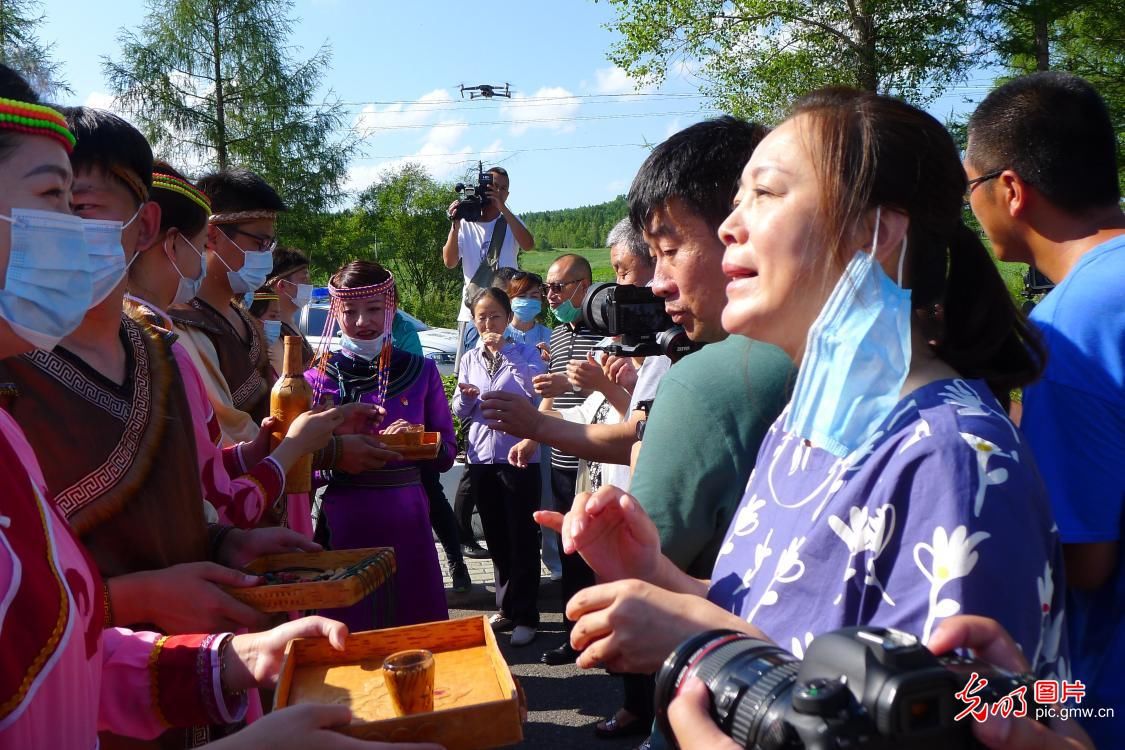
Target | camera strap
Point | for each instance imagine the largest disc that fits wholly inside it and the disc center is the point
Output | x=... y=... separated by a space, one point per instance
x=489 y=263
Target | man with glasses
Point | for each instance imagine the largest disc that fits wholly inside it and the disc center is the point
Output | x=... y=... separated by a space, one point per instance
x=226 y=343
x=1043 y=174
x=469 y=243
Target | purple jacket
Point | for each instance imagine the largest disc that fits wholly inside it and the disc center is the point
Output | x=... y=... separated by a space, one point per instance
x=521 y=363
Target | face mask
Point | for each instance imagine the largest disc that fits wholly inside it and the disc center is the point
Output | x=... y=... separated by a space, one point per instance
x=273 y=330
x=255 y=268
x=566 y=312
x=856 y=357
x=187 y=289
x=48 y=285
x=107 y=256
x=526 y=308
x=367 y=349
x=303 y=296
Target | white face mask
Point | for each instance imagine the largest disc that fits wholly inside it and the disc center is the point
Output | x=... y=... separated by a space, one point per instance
x=49 y=285
x=255 y=268
x=187 y=289
x=107 y=255
x=367 y=349
x=302 y=297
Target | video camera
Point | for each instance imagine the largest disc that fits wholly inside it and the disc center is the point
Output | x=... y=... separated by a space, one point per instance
x=636 y=315
x=473 y=198
x=864 y=688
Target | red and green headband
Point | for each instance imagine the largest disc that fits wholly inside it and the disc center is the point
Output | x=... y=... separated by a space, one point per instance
x=35 y=119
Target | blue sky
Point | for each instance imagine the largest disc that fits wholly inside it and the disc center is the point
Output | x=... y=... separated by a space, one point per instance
x=573 y=134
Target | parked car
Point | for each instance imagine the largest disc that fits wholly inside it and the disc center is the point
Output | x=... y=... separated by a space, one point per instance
x=438 y=344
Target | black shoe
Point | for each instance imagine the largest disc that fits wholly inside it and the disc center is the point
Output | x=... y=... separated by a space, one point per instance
x=564 y=654
x=474 y=551
x=462 y=584
x=501 y=624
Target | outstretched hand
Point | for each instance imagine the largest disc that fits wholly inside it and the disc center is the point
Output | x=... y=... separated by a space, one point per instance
x=611 y=531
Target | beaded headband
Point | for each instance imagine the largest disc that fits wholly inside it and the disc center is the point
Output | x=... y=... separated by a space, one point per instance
x=237 y=217
x=182 y=187
x=264 y=297
x=135 y=183
x=35 y=119
x=363 y=292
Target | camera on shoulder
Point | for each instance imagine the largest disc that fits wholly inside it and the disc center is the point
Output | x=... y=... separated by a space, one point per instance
x=473 y=198
x=636 y=315
x=864 y=688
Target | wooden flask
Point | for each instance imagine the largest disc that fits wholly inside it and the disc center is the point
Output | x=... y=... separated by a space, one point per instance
x=291 y=397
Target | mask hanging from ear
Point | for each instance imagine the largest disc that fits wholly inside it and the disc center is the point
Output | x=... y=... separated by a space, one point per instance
x=856 y=357
x=187 y=289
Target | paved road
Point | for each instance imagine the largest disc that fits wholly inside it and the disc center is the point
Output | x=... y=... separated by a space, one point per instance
x=563 y=702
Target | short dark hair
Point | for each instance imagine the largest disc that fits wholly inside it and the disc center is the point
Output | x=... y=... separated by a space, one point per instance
x=498 y=170
x=700 y=165
x=503 y=276
x=1053 y=130
x=259 y=306
x=107 y=143
x=176 y=209
x=579 y=261
x=238 y=189
x=287 y=260
x=495 y=293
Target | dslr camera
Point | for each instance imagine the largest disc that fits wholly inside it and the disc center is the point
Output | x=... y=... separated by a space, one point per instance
x=636 y=315
x=473 y=197
x=862 y=688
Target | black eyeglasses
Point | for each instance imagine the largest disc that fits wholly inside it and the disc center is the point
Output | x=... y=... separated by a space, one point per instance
x=559 y=286
x=265 y=244
x=971 y=185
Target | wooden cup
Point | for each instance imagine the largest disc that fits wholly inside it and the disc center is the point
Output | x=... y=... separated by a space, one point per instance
x=409 y=677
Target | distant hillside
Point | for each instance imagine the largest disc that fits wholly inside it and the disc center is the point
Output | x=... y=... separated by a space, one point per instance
x=575 y=227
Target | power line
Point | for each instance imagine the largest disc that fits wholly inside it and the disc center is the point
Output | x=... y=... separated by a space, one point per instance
x=545 y=120
x=503 y=151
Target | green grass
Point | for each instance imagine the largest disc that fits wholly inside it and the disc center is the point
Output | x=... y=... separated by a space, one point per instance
x=538 y=261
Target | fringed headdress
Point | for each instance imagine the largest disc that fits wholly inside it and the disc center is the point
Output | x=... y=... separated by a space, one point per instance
x=340 y=295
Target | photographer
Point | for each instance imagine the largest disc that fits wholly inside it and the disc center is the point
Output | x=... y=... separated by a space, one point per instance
x=470 y=243
x=695 y=730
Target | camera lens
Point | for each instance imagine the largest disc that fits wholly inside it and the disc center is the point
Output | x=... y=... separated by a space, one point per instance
x=750 y=682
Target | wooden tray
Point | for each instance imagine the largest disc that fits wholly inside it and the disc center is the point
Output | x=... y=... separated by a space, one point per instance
x=476 y=701
x=374 y=565
x=413 y=446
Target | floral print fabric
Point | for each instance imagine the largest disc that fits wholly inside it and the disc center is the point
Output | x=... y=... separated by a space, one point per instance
x=943 y=512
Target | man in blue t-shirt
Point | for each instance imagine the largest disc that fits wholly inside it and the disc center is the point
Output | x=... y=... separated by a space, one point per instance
x=1043 y=182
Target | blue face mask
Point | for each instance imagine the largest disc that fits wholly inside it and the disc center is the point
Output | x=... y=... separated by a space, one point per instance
x=367 y=349
x=273 y=330
x=255 y=268
x=526 y=308
x=107 y=256
x=48 y=286
x=856 y=357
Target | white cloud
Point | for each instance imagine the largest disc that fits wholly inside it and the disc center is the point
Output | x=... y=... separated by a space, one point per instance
x=400 y=116
x=614 y=80
x=547 y=108
x=99 y=100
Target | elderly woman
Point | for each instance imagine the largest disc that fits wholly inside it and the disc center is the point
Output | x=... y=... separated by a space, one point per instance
x=885 y=493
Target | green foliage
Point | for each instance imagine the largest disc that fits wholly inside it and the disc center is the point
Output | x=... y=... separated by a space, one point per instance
x=757 y=56
x=22 y=51
x=213 y=82
x=575 y=227
x=461 y=429
x=406 y=212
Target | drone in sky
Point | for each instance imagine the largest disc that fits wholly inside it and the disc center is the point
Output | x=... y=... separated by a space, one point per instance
x=486 y=91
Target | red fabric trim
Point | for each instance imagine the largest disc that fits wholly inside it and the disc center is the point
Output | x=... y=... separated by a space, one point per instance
x=179 y=682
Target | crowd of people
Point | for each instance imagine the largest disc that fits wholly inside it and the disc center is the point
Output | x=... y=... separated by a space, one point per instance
x=870 y=432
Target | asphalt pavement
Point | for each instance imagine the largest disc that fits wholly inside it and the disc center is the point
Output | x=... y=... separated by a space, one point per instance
x=564 y=702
